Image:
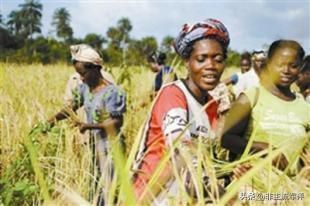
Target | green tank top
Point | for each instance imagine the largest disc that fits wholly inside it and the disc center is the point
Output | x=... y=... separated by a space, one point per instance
x=278 y=122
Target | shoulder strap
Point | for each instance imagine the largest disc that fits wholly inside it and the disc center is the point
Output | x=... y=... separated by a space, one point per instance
x=181 y=85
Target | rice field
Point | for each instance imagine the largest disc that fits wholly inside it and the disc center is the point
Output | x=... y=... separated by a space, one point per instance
x=53 y=168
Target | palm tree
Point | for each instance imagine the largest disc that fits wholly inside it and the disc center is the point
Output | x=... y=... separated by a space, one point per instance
x=61 y=20
x=119 y=35
x=31 y=14
x=15 y=22
x=124 y=26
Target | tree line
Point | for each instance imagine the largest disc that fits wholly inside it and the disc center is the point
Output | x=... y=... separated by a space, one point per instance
x=21 y=40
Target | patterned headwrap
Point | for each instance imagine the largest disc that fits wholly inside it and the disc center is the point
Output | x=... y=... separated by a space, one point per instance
x=206 y=28
x=85 y=53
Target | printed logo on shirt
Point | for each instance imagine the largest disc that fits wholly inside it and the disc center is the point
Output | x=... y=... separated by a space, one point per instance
x=201 y=131
x=283 y=125
x=174 y=123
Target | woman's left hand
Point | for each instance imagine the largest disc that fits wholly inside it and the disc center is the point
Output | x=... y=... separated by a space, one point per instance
x=221 y=95
x=280 y=162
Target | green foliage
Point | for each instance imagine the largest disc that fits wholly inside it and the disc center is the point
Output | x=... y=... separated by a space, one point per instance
x=23 y=179
x=40 y=50
x=6 y=40
x=61 y=22
x=119 y=35
x=18 y=45
x=31 y=11
x=233 y=58
x=17 y=182
x=15 y=22
x=114 y=55
x=95 y=40
x=167 y=44
x=149 y=44
x=30 y=18
x=139 y=49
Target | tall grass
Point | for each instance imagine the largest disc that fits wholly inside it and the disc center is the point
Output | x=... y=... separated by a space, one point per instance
x=53 y=168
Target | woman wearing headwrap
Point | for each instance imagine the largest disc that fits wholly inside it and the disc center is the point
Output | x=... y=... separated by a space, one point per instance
x=104 y=104
x=75 y=81
x=203 y=47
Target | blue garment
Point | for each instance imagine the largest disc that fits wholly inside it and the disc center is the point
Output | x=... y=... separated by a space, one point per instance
x=110 y=101
x=160 y=75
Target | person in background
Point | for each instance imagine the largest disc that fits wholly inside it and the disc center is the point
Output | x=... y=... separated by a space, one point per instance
x=75 y=80
x=104 y=104
x=203 y=48
x=258 y=61
x=303 y=81
x=245 y=66
x=271 y=114
x=251 y=78
x=245 y=62
x=164 y=73
x=72 y=85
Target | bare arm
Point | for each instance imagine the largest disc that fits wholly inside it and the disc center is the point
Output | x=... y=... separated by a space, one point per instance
x=61 y=115
x=110 y=125
x=235 y=125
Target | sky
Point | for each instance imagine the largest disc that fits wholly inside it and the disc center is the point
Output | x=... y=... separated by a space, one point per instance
x=251 y=23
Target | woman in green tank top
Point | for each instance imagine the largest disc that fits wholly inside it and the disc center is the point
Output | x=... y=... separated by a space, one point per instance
x=271 y=115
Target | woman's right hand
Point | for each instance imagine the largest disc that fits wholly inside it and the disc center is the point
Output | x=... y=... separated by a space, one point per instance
x=279 y=161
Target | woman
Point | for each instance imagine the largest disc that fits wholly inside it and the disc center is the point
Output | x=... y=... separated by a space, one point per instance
x=104 y=105
x=75 y=80
x=245 y=66
x=164 y=73
x=259 y=60
x=251 y=78
x=303 y=81
x=203 y=47
x=245 y=62
x=271 y=114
